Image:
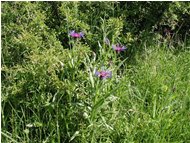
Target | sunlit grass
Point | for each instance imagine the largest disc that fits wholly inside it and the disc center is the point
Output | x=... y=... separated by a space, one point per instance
x=55 y=95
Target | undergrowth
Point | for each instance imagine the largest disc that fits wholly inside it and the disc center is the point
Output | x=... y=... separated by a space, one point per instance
x=50 y=92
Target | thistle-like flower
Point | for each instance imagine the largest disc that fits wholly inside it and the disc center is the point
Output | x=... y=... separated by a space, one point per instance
x=103 y=74
x=76 y=35
x=118 y=48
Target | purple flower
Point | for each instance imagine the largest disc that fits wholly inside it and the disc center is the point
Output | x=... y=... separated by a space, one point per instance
x=103 y=74
x=119 y=48
x=76 y=35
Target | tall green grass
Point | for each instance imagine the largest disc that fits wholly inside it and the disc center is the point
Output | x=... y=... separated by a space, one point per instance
x=53 y=96
x=146 y=102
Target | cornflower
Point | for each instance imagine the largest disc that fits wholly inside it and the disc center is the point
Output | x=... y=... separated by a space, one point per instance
x=118 y=48
x=103 y=74
x=76 y=35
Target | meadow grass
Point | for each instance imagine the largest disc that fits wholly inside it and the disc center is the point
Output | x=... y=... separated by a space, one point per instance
x=145 y=102
x=50 y=93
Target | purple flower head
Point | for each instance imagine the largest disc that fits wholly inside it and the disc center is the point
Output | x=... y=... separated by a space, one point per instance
x=103 y=74
x=81 y=34
x=119 y=48
x=76 y=35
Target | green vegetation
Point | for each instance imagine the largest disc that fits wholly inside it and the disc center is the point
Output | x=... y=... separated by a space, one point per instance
x=50 y=93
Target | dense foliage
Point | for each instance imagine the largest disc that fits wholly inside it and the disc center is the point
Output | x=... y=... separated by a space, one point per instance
x=51 y=94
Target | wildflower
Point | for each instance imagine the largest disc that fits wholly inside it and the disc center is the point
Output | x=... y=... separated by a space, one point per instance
x=103 y=74
x=76 y=35
x=119 y=48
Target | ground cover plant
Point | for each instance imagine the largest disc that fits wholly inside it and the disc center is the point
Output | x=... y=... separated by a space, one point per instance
x=95 y=72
